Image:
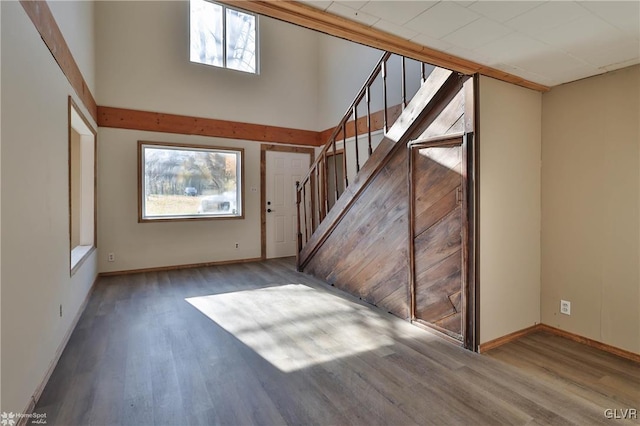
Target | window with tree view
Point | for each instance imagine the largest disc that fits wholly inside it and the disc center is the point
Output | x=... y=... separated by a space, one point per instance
x=189 y=182
x=223 y=37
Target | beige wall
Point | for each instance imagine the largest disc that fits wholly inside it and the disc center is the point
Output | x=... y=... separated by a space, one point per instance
x=510 y=140
x=590 y=207
x=35 y=210
x=143 y=63
x=342 y=70
x=146 y=245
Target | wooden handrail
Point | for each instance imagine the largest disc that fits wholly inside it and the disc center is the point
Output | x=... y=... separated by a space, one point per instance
x=318 y=174
x=345 y=117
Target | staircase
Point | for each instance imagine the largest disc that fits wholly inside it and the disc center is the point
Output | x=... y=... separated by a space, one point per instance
x=353 y=204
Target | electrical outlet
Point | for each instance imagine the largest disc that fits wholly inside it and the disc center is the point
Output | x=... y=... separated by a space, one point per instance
x=111 y=257
x=60 y=311
x=237 y=245
x=565 y=307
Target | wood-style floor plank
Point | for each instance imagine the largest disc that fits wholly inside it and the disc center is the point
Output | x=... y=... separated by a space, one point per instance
x=260 y=344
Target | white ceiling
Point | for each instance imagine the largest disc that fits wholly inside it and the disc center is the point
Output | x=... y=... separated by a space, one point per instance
x=547 y=42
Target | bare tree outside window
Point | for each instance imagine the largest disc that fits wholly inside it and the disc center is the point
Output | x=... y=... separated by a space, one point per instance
x=223 y=37
x=182 y=182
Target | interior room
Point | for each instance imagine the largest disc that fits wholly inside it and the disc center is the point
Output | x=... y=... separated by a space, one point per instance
x=205 y=236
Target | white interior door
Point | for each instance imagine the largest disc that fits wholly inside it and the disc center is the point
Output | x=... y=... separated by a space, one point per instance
x=283 y=169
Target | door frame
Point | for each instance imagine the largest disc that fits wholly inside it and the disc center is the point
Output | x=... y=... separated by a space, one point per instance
x=471 y=238
x=263 y=184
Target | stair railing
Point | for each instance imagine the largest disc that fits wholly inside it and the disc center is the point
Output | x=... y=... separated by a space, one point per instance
x=321 y=187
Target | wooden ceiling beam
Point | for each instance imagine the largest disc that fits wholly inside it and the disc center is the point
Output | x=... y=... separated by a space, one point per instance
x=327 y=23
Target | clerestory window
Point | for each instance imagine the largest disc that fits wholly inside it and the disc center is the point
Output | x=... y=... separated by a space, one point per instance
x=223 y=36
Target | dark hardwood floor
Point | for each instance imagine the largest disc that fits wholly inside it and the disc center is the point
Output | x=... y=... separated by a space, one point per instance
x=262 y=344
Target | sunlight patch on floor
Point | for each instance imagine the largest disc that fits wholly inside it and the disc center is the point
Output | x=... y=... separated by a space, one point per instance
x=293 y=326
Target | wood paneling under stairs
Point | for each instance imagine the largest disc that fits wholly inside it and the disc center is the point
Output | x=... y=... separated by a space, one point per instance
x=438 y=237
x=366 y=254
x=259 y=343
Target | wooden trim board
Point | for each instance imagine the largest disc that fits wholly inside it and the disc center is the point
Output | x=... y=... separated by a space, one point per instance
x=315 y=19
x=590 y=342
x=45 y=23
x=492 y=344
x=176 y=267
x=73 y=106
x=121 y=118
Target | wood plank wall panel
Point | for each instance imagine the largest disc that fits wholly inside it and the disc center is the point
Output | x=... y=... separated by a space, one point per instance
x=449 y=120
x=366 y=255
x=121 y=118
x=43 y=20
x=437 y=236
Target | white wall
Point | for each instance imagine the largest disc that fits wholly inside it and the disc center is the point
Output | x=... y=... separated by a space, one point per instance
x=35 y=209
x=143 y=63
x=510 y=155
x=590 y=207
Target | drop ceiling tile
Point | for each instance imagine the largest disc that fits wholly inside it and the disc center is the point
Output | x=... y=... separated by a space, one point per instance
x=551 y=62
x=471 y=55
x=353 y=4
x=584 y=36
x=395 y=29
x=353 y=14
x=621 y=65
x=397 y=12
x=527 y=75
x=477 y=33
x=502 y=11
x=431 y=42
x=575 y=74
x=513 y=46
x=625 y=15
x=442 y=19
x=547 y=16
x=318 y=4
x=464 y=3
x=623 y=52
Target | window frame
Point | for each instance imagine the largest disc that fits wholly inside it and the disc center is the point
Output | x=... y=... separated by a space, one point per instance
x=193 y=147
x=224 y=38
x=72 y=109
